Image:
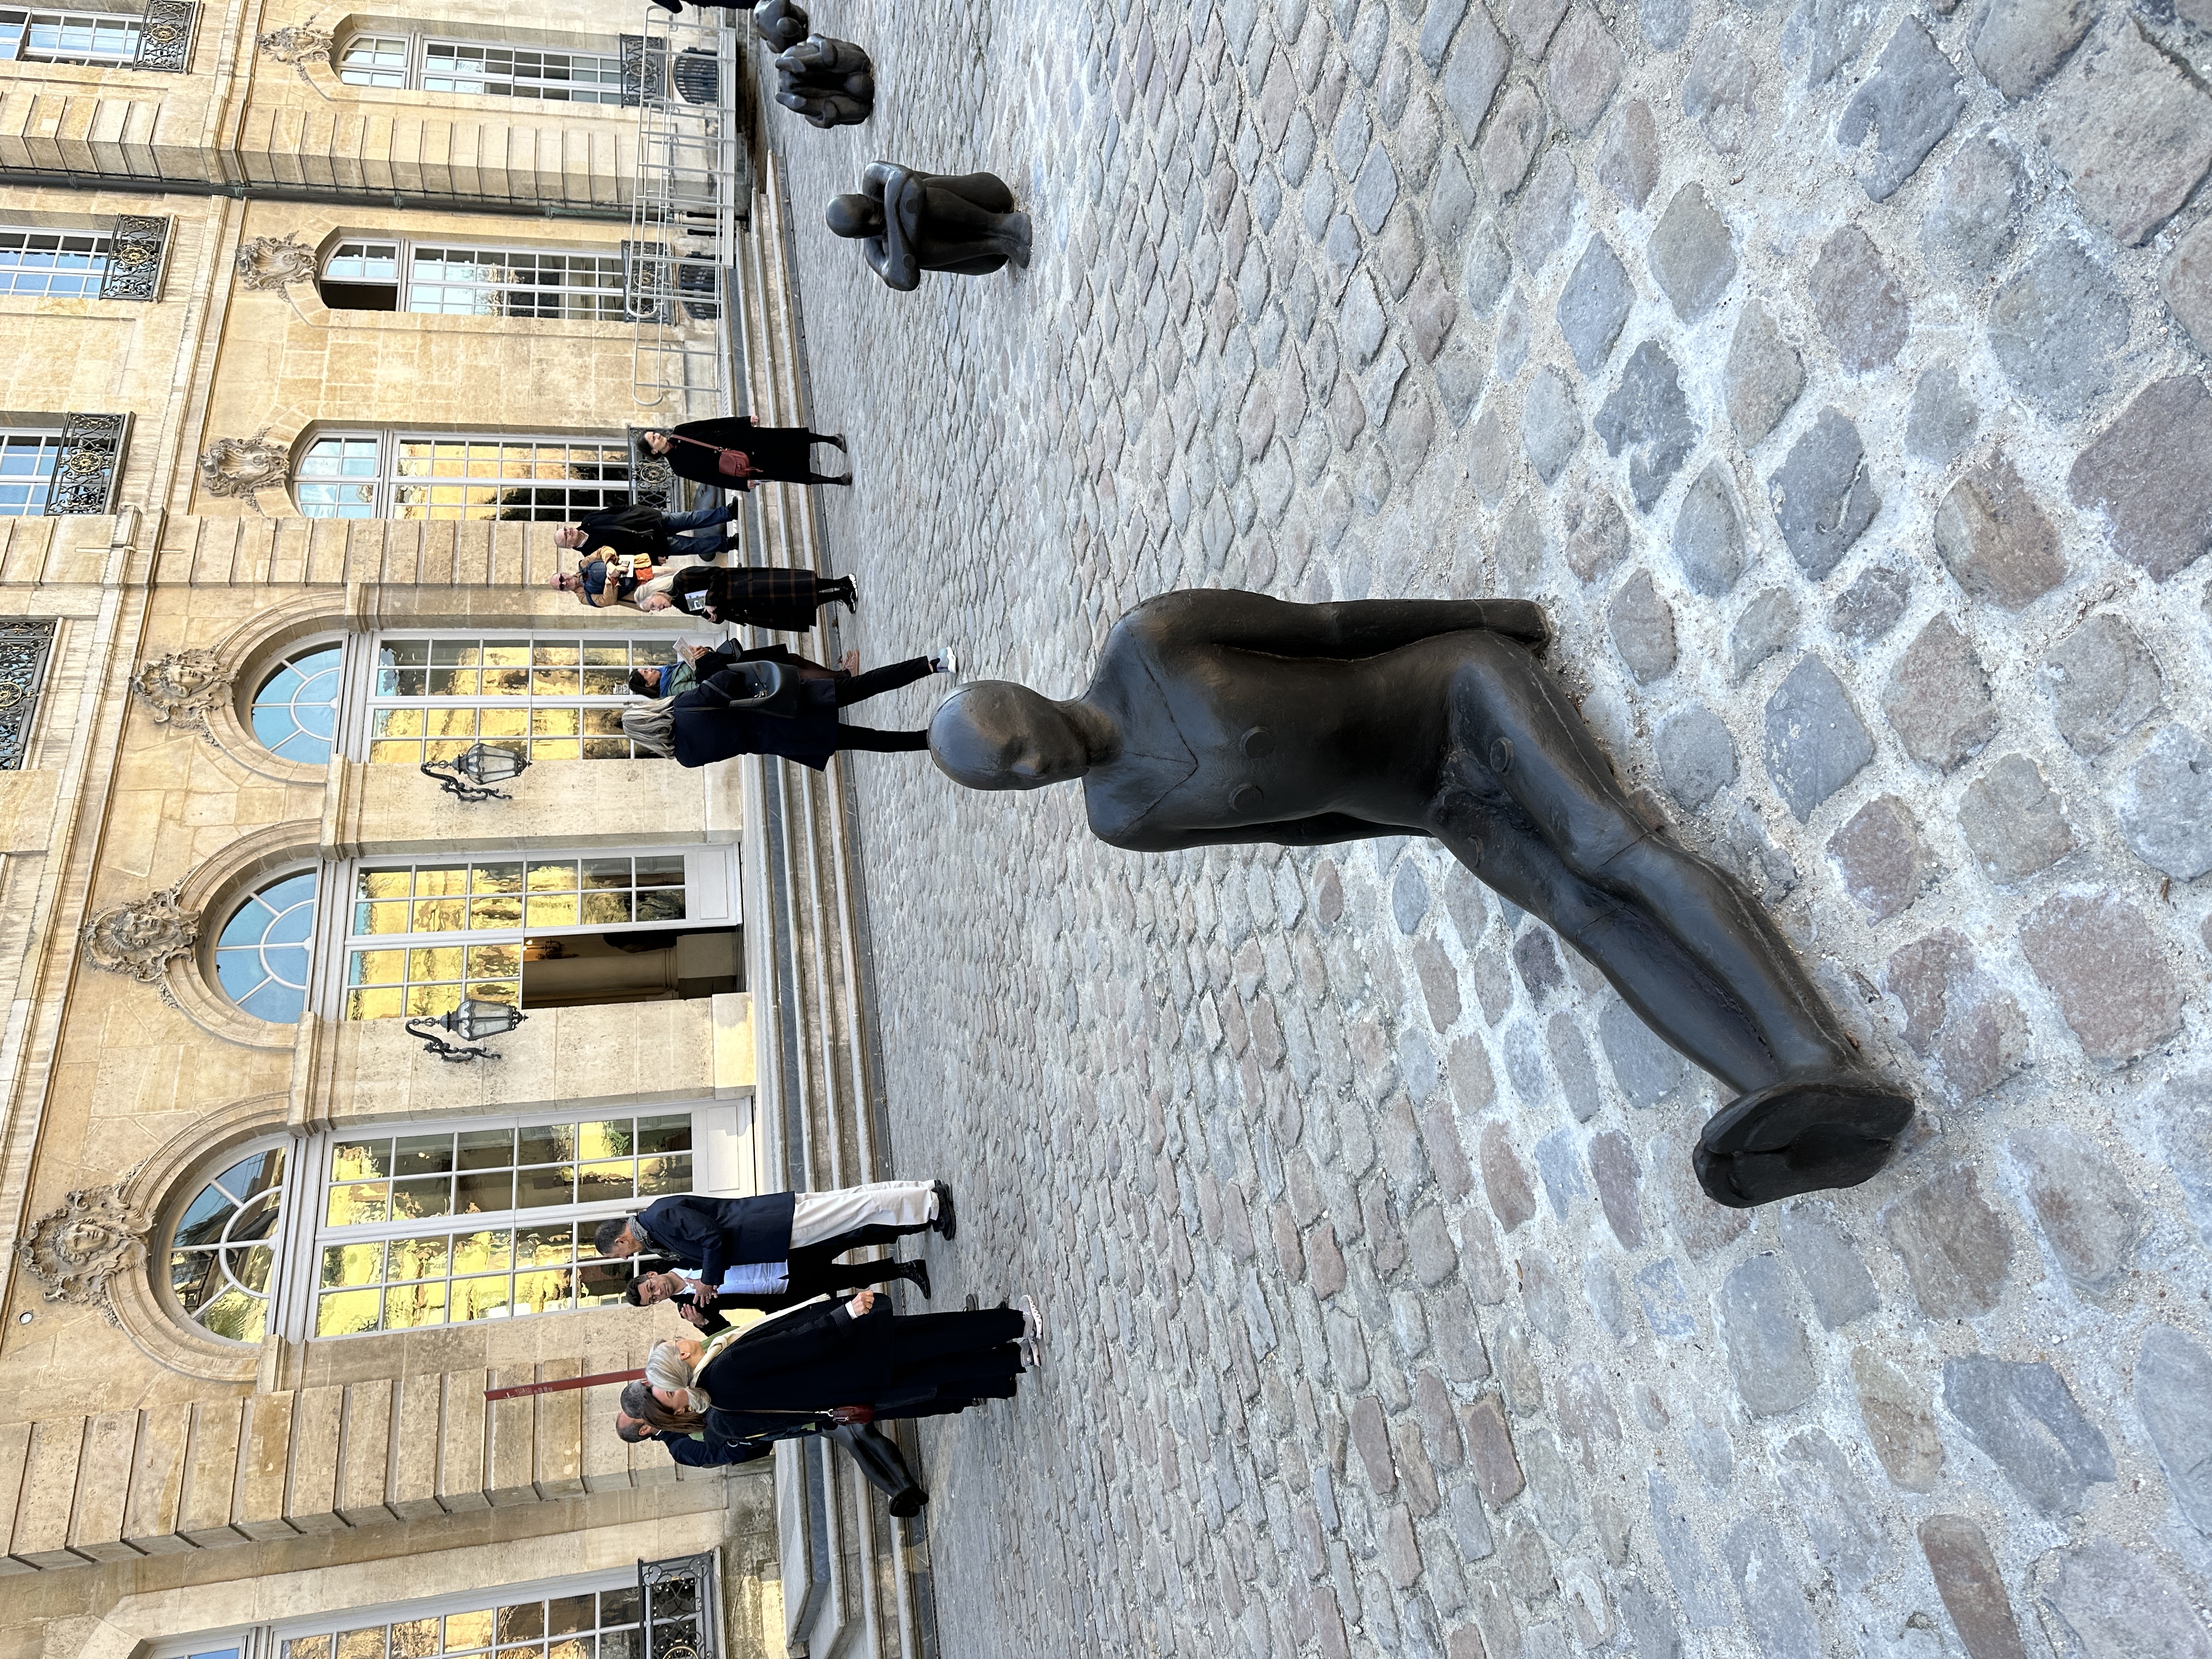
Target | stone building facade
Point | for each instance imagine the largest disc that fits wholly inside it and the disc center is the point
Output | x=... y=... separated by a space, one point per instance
x=317 y=326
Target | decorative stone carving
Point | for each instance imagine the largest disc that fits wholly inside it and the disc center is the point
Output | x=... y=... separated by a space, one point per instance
x=75 y=1250
x=182 y=686
x=240 y=466
x=297 y=44
x=277 y=262
x=139 y=939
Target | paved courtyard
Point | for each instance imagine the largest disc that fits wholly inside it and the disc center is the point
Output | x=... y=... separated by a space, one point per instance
x=1835 y=377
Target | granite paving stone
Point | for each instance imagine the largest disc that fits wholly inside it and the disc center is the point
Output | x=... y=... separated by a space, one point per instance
x=1344 y=1183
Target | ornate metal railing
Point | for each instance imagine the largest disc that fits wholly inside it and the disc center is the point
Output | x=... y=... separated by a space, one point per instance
x=85 y=471
x=680 y=1607
x=25 y=645
x=137 y=249
x=165 y=38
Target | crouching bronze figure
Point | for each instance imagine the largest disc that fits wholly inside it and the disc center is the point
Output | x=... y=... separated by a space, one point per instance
x=1221 y=717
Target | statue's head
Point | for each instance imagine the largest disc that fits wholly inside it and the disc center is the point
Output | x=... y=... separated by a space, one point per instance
x=854 y=215
x=997 y=735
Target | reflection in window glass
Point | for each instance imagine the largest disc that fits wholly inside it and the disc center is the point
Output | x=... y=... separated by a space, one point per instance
x=295 y=712
x=261 y=955
x=221 y=1251
x=401 y=474
x=27 y=472
x=56 y=264
x=421 y=936
x=591 y=1625
x=444 y=1227
x=559 y=697
x=69 y=37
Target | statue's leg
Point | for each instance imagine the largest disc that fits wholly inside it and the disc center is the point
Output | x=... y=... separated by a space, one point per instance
x=1810 y=1114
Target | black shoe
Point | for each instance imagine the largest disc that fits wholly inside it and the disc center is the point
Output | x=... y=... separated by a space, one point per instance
x=1799 y=1137
x=917 y=1275
x=906 y=1502
x=947 y=1224
x=847 y=595
x=837 y=438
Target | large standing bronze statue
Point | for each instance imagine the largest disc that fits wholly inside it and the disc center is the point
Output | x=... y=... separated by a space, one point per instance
x=1219 y=717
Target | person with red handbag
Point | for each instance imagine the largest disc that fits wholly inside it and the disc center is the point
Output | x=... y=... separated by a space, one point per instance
x=735 y=454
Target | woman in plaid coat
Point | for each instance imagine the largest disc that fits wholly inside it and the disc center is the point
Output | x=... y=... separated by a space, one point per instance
x=757 y=596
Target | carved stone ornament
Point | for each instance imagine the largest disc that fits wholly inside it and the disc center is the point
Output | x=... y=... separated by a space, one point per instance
x=297 y=44
x=274 y=261
x=75 y=1250
x=240 y=466
x=139 y=939
x=182 y=686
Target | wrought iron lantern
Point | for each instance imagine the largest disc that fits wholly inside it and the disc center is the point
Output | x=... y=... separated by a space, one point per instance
x=472 y=1022
x=471 y=776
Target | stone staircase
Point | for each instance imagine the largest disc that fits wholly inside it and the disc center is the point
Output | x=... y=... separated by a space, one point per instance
x=856 y=1581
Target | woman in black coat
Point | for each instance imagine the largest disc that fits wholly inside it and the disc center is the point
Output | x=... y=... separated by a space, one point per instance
x=700 y=727
x=827 y=1355
x=757 y=596
x=773 y=455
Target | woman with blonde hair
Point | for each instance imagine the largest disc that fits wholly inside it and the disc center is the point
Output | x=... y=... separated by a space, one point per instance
x=827 y=1362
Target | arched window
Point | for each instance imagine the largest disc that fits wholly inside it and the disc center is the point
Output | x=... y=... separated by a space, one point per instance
x=221 y=1247
x=295 y=712
x=261 y=957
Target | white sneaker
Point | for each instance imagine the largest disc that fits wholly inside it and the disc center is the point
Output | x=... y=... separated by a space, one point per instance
x=1032 y=1337
x=947 y=662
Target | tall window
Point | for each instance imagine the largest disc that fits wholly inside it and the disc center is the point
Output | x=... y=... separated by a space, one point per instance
x=295 y=712
x=69 y=37
x=221 y=1247
x=552 y=930
x=443 y=280
x=261 y=956
x=402 y=475
x=423 y=936
x=27 y=472
x=464 y=1224
x=558 y=698
x=430 y=65
x=594 y=1615
x=55 y=264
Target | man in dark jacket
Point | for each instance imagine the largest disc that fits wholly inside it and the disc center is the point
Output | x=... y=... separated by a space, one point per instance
x=648 y=532
x=705 y=728
x=714 y=1235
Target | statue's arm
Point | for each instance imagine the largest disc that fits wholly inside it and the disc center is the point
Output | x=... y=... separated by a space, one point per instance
x=877 y=176
x=1319 y=830
x=1347 y=627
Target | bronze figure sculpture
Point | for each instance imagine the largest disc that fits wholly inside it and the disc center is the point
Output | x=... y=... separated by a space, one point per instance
x=831 y=82
x=908 y=221
x=1220 y=717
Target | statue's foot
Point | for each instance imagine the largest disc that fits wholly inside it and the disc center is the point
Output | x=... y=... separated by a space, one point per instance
x=1799 y=1137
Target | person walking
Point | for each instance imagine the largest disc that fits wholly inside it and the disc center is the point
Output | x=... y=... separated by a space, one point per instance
x=695 y=663
x=877 y=1456
x=710 y=1235
x=703 y=725
x=783 y=600
x=645 y=532
x=769 y=1286
x=733 y=453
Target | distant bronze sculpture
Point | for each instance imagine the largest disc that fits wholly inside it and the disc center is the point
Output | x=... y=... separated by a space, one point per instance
x=830 y=82
x=782 y=23
x=908 y=223
x=1222 y=717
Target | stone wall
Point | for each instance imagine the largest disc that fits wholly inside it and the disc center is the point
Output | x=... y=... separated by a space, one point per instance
x=1835 y=376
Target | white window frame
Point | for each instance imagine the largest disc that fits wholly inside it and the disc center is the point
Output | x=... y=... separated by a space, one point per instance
x=83 y=282
x=13 y=439
x=388 y=479
x=129 y=25
x=711 y=899
x=724 y=1163
x=418 y=75
x=647 y=648
x=603 y=302
x=266 y=1641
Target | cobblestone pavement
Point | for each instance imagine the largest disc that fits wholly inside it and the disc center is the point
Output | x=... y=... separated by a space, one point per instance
x=1836 y=377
